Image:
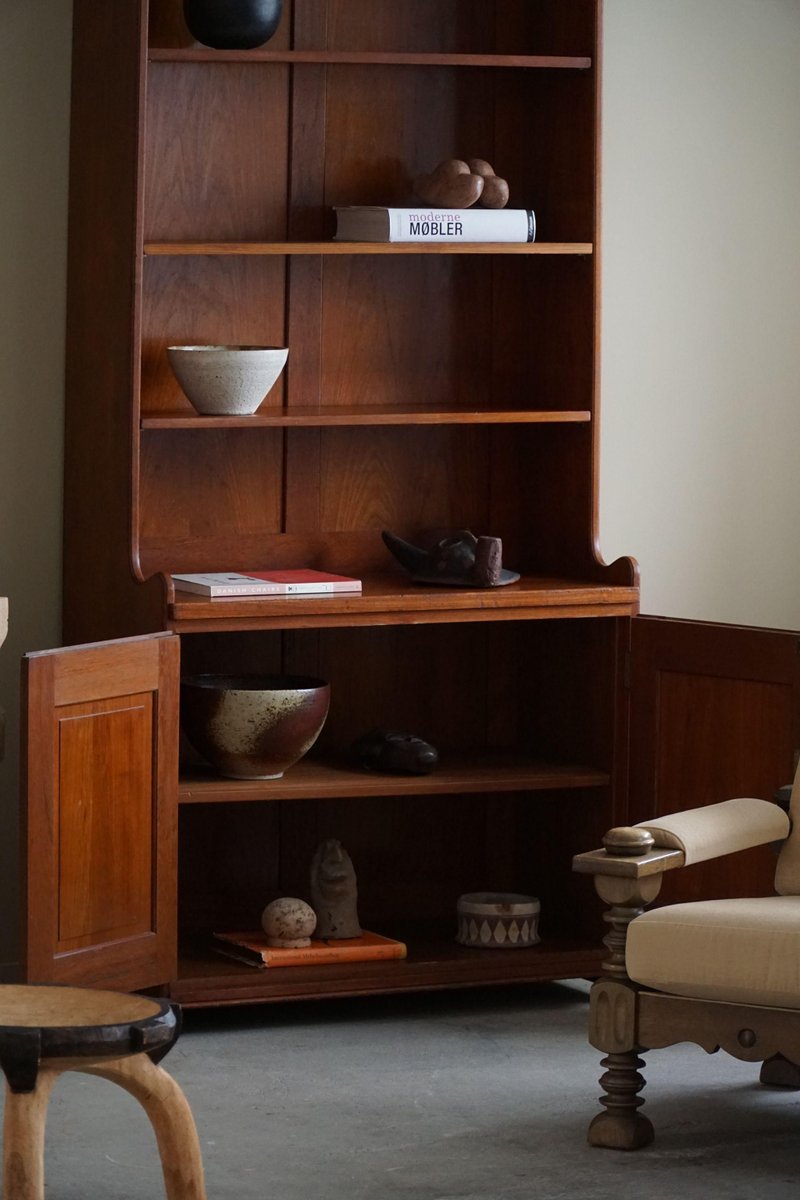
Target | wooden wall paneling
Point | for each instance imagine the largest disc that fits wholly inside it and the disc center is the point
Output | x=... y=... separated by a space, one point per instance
x=714 y=714
x=216 y=152
x=236 y=473
x=451 y=26
x=568 y=680
x=434 y=350
x=416 y=481
x=547 y=28
x=228 y=867
x=99 y=818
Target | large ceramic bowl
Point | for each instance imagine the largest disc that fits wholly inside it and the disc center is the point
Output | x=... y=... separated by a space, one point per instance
x=253 y=726
x=226 y=380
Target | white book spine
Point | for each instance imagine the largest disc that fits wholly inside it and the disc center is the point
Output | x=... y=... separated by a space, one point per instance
x=460 y=225
x=438 y=225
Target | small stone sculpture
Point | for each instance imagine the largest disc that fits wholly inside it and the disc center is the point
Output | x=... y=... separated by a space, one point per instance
x=460 y=560
x=288 y=922
x=334 y=894
x=458 y=184
x=393 y=751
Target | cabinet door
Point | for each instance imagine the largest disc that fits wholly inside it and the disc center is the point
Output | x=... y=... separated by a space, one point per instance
x=714 y=714
x=99 y=827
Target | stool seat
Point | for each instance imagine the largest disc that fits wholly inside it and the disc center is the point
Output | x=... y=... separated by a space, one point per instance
x=44 y=1024
x=46 y=1030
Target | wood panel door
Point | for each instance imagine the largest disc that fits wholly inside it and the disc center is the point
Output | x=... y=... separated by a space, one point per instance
x=99 y=826
x=715 y=713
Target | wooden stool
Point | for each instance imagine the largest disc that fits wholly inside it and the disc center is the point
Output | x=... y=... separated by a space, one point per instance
x=47 y=1030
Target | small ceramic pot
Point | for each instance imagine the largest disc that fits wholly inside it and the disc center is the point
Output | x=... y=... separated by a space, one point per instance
x=227 y=380
x=232 y=24
x=497 y=920
x=253 y=726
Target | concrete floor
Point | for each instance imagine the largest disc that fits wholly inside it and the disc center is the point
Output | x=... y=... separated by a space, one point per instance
x=451 y=1096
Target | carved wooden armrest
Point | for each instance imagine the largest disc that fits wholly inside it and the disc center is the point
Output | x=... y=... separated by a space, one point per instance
x=630 y=852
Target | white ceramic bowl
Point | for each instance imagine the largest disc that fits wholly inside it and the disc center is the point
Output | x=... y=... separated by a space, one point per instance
x=226 y=380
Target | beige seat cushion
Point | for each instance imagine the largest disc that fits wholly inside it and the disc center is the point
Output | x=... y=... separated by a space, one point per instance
x=742 y=951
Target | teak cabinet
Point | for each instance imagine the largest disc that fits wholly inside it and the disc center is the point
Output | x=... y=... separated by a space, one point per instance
x=429 y=388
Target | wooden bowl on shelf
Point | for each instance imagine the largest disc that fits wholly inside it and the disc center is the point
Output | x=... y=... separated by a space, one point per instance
x=253 y=726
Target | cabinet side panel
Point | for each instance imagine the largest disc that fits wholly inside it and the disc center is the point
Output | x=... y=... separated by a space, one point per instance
x=714 y=714
x=101 y=598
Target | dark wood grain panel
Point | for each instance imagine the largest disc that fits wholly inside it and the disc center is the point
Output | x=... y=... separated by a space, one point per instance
x=715 y=714
x=216 y=152
x=411 y=481
x=237 y=474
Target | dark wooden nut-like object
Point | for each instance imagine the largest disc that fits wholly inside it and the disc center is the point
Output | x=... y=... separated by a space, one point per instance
x=628 y=841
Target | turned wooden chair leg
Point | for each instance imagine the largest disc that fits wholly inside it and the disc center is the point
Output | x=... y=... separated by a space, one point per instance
x=23 y=1139
x=621 y=1126
x=170 y=1116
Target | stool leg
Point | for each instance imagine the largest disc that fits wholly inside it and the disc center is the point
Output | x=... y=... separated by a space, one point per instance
x=170 y=1116
x=23 y=1139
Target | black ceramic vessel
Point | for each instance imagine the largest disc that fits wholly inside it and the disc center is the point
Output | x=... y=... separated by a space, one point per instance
x=232 y=24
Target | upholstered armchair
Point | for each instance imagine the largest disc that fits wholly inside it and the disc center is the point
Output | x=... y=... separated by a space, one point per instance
x=720 y=973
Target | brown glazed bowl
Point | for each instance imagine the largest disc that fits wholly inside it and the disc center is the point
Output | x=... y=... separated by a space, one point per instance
x=253 y=726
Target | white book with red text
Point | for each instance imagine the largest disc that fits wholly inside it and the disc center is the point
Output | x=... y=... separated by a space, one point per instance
x=301 y=582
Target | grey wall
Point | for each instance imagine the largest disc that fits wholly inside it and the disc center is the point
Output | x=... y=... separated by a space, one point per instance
x=701 y=420
x=34 y=126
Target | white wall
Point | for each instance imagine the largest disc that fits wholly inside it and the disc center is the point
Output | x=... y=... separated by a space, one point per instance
x=701 y=354
x=701 y=322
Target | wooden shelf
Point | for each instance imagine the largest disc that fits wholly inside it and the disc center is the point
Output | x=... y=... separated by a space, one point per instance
x=154 y=249
x=197 y=54
x=392 y=601
x=374 y=414
x=322 y=779
x=433 y=963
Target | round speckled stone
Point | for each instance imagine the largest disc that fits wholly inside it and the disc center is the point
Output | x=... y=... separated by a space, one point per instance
x=288 y=922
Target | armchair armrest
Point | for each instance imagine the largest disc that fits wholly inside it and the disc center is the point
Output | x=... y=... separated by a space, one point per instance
x=680 y=839
x=718 y=829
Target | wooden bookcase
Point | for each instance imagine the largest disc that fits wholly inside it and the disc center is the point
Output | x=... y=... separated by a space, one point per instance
x=429 y=388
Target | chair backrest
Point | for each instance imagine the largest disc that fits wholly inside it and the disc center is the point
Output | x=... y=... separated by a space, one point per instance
x=787 y=873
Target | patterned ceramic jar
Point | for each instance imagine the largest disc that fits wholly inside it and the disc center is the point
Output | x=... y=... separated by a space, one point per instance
x=497 y=920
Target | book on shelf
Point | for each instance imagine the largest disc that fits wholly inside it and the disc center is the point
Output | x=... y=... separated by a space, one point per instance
x=371 y=223
x=266 y=583
x=252 y=948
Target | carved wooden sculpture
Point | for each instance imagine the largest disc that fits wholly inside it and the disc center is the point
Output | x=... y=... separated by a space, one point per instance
x=710 y=984
x=458 y=184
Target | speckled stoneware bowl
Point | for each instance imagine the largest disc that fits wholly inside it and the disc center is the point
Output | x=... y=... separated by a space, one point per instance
x=253 y=726
x=226 y=380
